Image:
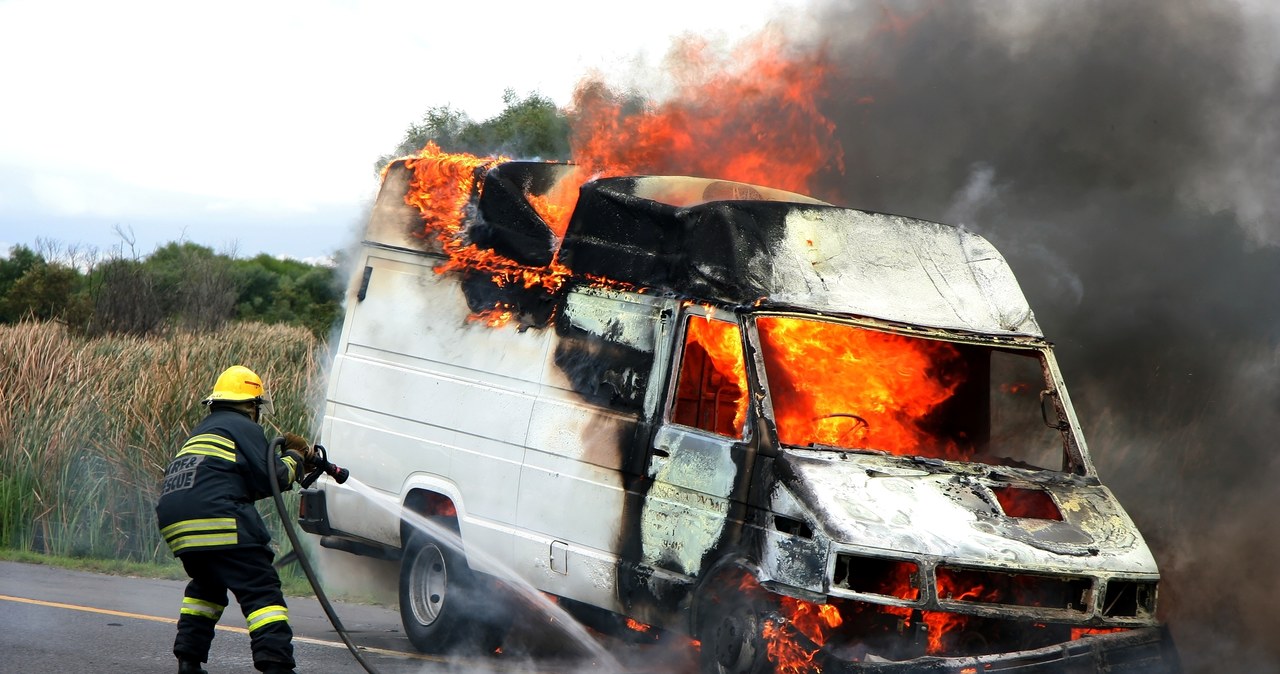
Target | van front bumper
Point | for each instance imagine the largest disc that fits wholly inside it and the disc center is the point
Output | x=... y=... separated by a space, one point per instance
x=1146 y=650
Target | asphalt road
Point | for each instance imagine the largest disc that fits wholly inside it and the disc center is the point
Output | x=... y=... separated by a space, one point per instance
x=58 y=621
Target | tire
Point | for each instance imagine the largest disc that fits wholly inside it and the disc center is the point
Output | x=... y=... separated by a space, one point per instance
x=444 y=606
x=730 y=626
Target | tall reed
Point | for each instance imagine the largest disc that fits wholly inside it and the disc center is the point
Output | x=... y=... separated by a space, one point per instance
x=88 y=425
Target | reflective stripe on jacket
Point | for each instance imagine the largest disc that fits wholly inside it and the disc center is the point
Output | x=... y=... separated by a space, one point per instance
x=207 y=495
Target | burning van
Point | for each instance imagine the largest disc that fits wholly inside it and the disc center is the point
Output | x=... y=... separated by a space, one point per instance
x=809 y=437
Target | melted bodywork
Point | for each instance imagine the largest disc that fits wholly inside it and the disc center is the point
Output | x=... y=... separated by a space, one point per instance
x=651 y=429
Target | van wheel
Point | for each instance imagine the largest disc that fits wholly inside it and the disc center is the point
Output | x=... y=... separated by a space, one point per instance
x=731 y=630
x=444 y=606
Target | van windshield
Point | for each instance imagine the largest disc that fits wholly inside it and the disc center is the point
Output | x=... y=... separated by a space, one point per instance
x=848 y=388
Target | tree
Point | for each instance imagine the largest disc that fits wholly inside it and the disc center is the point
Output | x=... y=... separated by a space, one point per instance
x=442 y=124
x=21 y=259
x=288 y=291
x=125 y=299
x=530 y=127
x=44 y=292
x=198 y=287
x=181 y=285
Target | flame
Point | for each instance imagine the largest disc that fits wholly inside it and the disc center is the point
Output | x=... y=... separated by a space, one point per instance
x=556 y=206
x=840 y=385
x=1078 y=632
x=723 y=343
x=749 y=115
x=441 y=189
x=637 y=626
x=497 y=316
x=814 y=621
x=938 y=625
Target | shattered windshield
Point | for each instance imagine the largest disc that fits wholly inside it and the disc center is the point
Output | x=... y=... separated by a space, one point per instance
x=844 y=387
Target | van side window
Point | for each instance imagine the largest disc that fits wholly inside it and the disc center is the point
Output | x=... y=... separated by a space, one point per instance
x=712 y=385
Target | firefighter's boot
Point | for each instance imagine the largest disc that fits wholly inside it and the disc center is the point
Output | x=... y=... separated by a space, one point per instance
x=190 y=667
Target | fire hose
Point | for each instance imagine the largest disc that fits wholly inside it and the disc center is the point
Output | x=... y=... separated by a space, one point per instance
x=319 y=466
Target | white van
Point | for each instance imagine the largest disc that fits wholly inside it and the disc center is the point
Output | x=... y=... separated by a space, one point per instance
x=792 y=431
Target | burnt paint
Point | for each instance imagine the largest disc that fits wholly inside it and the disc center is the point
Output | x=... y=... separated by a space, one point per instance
x=602 y=370
x=506 y=223
x=532 y=307
x=715 y=251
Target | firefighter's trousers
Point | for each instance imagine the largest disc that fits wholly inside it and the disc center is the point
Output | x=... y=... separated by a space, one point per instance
x=248 y=573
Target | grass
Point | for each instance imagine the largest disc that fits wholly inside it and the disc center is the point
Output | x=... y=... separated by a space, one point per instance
x=294 y=586
x=113 y=567
x=88 y=425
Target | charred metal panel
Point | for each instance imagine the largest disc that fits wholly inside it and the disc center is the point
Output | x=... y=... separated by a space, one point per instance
x=507 y=223
x=530 y=307
x=686 y=508
x=892 y=503
x=813 y=256
x=606 y=348
x=791 y=552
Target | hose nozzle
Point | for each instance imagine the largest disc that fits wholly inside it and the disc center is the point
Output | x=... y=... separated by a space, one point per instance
x=321 y=466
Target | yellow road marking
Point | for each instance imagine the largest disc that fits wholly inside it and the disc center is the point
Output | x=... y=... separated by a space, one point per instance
x=225 y=628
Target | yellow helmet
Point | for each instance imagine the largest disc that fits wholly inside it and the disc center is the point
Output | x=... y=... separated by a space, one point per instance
x=237 y=384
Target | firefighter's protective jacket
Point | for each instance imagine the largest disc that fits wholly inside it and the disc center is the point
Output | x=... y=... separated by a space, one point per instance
x=206 y=500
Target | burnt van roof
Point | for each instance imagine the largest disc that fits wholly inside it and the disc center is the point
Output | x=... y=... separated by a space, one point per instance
x=752 y=247
x=732 y=243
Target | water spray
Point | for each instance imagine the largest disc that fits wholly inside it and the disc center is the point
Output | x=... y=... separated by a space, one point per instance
x=322 y=466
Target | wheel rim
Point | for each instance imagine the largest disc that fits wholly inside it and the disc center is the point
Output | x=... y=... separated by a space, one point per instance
x=733 y=649
x=428 y=583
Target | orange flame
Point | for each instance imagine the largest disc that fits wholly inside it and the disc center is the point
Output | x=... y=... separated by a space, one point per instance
x=496 y=317
x=1078 y=632
x=840 y=385
x=814 y=621
x=750 y=115
x=556 y=207
x=441 y=189
x=723 y=344
x=637 y=626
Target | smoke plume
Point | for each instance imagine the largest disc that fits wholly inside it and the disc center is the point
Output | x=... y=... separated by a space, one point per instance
x=1125 y=157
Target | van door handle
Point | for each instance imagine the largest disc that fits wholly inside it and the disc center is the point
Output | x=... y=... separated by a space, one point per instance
x=660 y=452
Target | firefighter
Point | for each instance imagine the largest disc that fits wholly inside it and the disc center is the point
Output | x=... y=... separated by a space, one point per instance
x=206 y=515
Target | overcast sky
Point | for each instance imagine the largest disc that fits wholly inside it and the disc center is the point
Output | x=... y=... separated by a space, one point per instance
x=254 y=126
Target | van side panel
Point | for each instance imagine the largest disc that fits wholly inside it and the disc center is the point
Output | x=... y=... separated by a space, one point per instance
x=583 y=440
x=571 y=492
x=422 y=391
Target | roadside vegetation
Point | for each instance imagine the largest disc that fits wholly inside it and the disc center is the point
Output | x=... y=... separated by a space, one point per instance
x=104 y=359
x=179 y=286
x=87 y=425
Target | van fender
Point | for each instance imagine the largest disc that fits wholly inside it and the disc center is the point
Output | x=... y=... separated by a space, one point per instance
x=425 y=483
x=728 y=571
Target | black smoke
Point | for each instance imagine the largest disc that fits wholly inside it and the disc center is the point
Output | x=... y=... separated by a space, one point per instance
x=1125 y=157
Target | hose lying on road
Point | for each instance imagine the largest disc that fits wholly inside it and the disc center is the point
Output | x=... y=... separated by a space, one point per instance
x=305 y=562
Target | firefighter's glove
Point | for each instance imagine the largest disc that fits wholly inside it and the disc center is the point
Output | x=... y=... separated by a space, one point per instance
x=297 y=443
